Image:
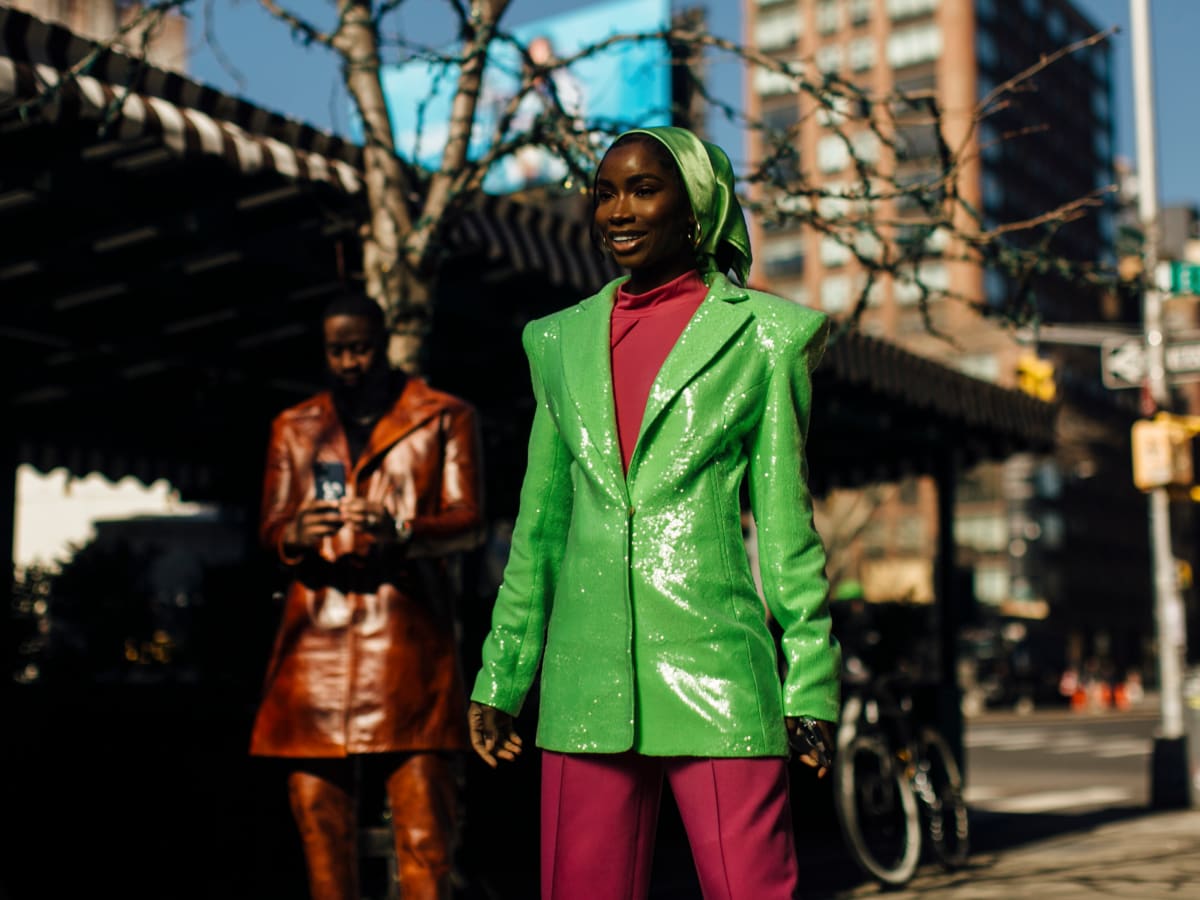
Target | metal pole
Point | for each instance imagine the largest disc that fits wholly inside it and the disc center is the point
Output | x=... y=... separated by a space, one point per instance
x=1169 y=767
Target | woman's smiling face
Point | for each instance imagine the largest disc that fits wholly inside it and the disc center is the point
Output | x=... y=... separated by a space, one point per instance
x=643 y=213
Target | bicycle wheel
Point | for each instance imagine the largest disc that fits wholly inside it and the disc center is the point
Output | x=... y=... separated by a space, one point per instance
x=940 y=788
x=877 y=811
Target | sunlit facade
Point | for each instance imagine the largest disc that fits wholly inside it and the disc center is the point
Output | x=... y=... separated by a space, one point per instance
x=1012 y=521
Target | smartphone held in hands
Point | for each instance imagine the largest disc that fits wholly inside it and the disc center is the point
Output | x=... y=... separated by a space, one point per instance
x=330 y=480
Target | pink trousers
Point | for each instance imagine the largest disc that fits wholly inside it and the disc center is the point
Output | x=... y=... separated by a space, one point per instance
x=600 y=812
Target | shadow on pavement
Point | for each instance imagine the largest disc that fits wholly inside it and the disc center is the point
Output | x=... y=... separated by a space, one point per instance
x=149 y=795
x=995 y=832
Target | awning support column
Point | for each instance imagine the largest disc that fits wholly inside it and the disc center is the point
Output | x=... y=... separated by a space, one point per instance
x=949 y=605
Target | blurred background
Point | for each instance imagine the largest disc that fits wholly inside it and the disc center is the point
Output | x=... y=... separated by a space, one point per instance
x=161 y=275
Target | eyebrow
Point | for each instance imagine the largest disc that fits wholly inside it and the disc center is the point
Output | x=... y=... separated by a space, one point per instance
x=633 y=179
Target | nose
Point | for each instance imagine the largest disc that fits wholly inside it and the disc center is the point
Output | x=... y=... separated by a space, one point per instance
x=347 y=360
x=619 y=211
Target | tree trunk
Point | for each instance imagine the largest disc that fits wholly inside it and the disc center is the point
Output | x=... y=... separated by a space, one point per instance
x=394 y=277
x=411 y=322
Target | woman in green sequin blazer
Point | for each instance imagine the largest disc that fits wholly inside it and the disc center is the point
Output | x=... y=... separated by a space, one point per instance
x=633 y=592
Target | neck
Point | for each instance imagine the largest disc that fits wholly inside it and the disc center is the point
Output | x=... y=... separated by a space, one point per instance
x=370 y=400
x=642 y=280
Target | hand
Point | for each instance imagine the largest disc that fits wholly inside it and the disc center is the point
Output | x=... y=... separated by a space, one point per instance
x=492 y=733
x=317 y=519
x=807 y=754
x=370 y=517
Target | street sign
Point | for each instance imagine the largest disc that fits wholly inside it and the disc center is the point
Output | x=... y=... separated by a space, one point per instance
x=1123 y=362
x=1177 y=277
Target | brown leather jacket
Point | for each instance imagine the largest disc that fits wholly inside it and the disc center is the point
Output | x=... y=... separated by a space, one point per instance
x=365 y=658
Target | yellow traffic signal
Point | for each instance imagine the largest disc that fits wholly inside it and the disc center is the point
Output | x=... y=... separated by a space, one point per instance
x=1035 y=376
x=1164 y=451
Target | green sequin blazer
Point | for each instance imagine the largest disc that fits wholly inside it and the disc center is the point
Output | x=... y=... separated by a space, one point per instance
x=634 y=592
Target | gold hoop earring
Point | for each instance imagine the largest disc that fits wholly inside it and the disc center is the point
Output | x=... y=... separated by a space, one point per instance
x=694 y=234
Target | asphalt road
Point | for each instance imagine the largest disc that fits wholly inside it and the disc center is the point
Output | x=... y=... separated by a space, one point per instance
x=1059 y=762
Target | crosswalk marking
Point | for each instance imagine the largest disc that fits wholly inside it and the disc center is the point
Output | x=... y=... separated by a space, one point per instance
x=1046 y=801
x=1058 y=742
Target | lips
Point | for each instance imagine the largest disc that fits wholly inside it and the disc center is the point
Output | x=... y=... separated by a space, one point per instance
x=625 y=241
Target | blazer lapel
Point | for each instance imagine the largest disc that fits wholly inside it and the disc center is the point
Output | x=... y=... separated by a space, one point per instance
x=586 y=364
x=716 y=321
x=415 y=405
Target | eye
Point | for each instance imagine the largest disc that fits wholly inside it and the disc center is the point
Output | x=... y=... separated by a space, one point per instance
x=645 y=191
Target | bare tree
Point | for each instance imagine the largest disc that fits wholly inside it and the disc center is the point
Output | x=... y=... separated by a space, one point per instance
x=890 y=222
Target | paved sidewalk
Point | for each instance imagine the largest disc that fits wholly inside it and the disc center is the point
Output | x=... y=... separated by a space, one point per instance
x=1133 y=854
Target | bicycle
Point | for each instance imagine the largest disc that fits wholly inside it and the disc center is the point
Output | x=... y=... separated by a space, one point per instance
x=898 y=790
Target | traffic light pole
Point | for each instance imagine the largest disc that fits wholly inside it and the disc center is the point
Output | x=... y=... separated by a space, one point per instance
x=1169 y=768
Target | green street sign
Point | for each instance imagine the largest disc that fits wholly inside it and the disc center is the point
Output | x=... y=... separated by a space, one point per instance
x=1176 y=277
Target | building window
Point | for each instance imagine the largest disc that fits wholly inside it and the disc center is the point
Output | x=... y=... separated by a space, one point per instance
x=985 y=9
x=910 y=534
x=874 y=539
x=907 y=9
x=827 y=16
x=834 y=204
x=934 y=275
x=780 y=118
x=993 y=192
x=987 y=533
x=835 y=293
x=784 y=257
x=868 y=246
x=832 y=153
x=984 y=366
x=768 y=82
x=906 y=292
x=1056 y=26
x=1102 y=145
x=829 y=57
x=991 y=584
x=860 y=11
x=916 y=142
x=866 y=146
x=1052 y=530
x=914 y=45
x=777 y=28
x=834 y=252
x=862 y=54
x=1100 y=102
x=995 y=288
x=986 y=50
x=834 y=111
x=792 y=290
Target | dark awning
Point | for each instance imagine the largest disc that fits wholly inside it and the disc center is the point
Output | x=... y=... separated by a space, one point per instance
x=138 y=104
x=883 y=412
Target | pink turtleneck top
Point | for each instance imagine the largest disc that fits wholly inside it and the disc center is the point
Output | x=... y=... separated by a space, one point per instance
x=644 y=329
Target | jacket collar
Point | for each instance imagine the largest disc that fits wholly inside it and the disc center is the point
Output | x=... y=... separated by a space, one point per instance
x=415 y=405
x=587 y=362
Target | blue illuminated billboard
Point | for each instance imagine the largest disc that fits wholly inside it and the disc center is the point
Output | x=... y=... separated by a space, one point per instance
x=626 y=84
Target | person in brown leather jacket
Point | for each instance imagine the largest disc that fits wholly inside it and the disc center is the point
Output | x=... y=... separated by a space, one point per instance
x=369 y=486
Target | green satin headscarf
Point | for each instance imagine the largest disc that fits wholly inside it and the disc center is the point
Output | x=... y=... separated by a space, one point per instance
x=709 y=180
